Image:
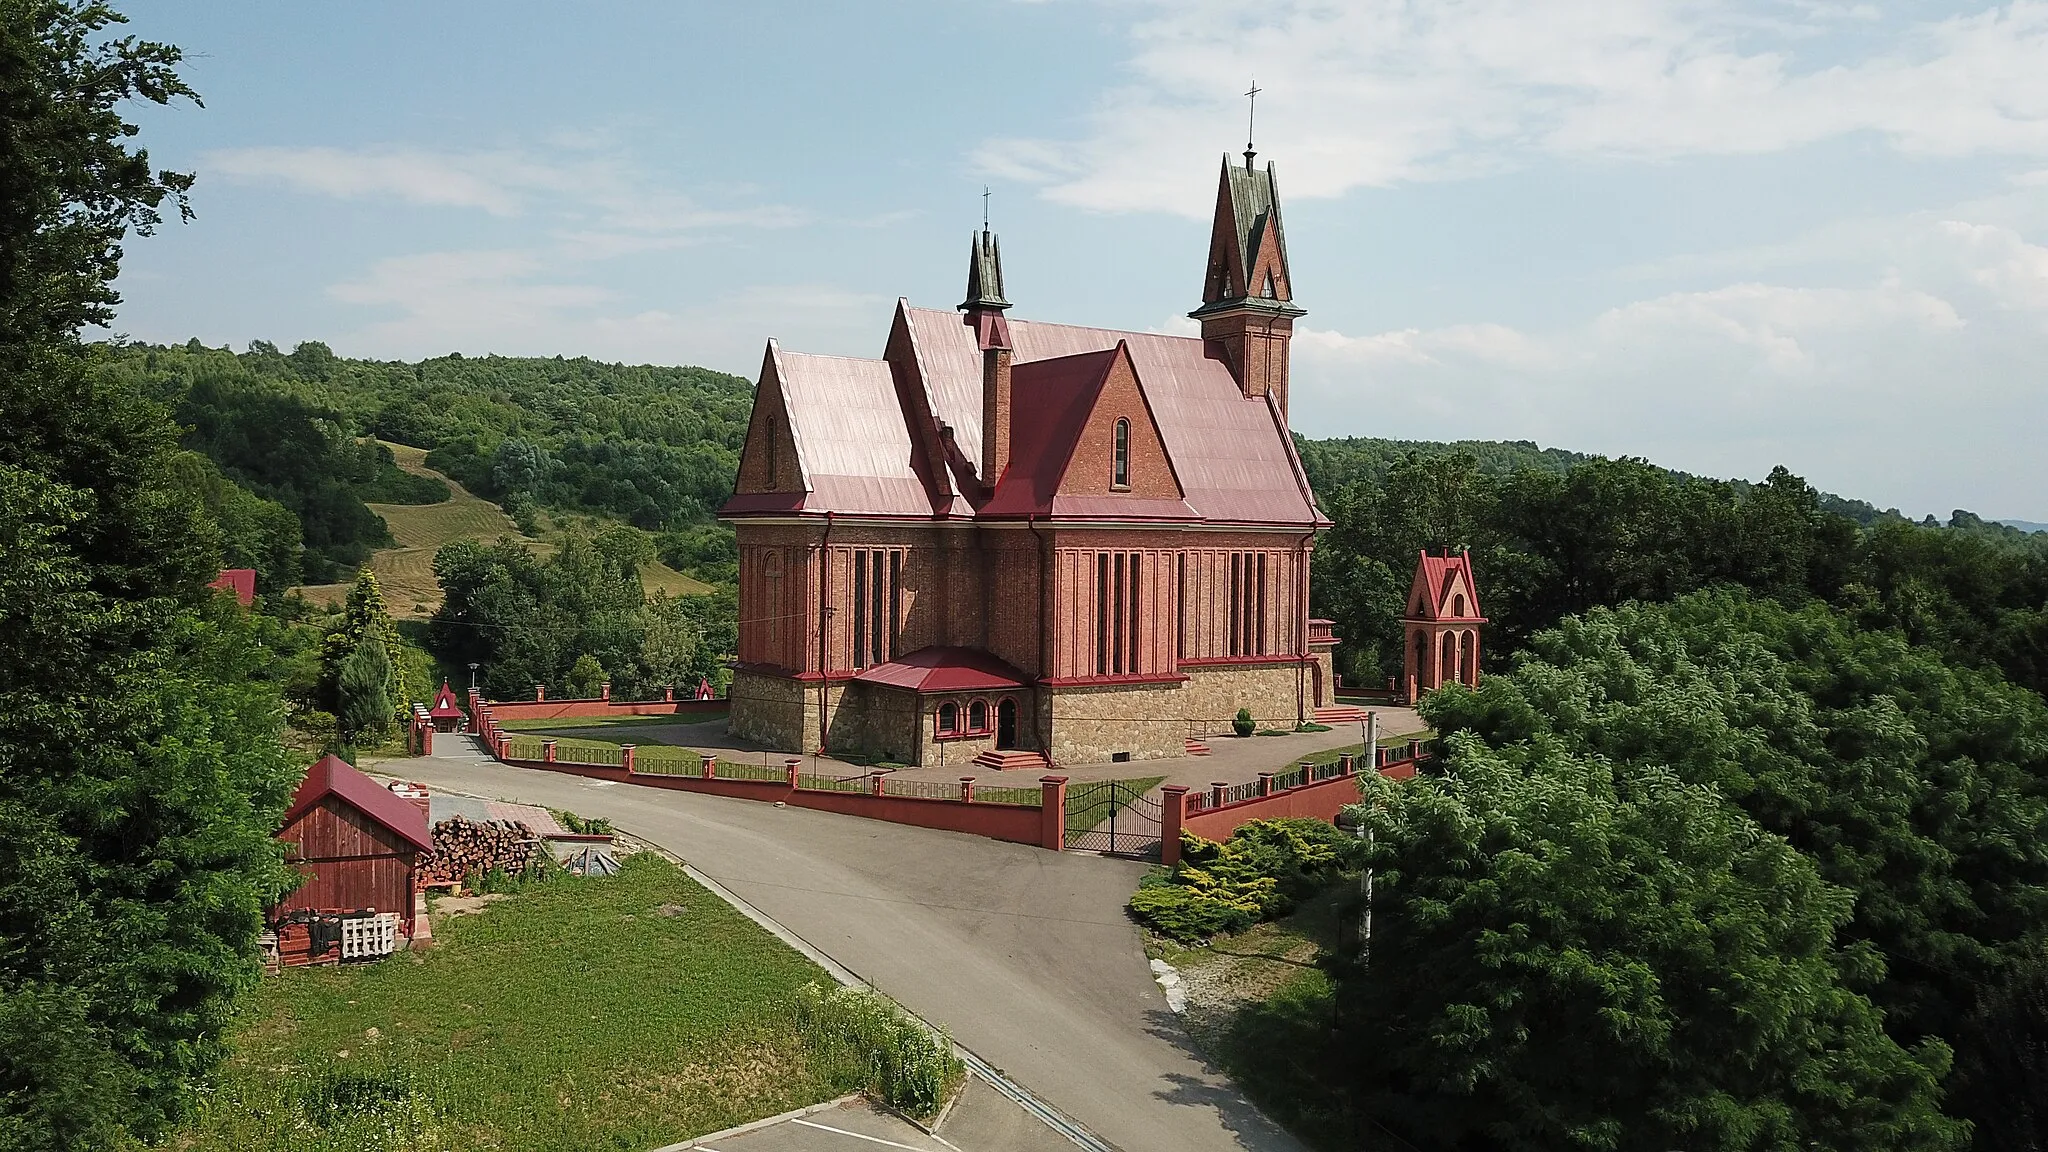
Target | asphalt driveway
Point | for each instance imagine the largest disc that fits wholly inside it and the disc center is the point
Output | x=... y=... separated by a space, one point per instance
x=1025 y=955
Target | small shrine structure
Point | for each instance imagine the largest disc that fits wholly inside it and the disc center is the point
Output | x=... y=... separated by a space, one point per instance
x=1442 y=625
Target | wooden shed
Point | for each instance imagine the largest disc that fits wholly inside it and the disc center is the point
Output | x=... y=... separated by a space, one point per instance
x=359 y=847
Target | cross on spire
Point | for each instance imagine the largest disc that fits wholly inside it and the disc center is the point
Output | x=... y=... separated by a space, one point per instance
x=984 y=207
x=1251 y=115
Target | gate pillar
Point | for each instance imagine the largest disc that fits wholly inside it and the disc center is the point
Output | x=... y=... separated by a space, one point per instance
x=1173 y=811
x=1052 y=829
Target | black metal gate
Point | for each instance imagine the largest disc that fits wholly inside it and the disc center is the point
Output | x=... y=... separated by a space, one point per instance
x=1114 y=817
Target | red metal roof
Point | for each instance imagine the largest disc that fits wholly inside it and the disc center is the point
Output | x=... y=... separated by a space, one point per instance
x=445 y=706
x=1436 y=578
x=864 y=444
x=333 y=776
x=240 y=581
x=945 y=669
x=1232 y=455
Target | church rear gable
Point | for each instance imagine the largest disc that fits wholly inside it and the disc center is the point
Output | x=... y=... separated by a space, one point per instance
x=769 y=461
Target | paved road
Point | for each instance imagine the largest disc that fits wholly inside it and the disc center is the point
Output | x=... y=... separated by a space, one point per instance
x=1026 y=955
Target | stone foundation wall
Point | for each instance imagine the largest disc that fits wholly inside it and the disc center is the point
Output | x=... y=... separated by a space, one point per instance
x=1094 y=723
x=771 y=710
x=1215 y=693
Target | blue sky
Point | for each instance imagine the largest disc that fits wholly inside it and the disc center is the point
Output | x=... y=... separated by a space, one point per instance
x=1722 y=236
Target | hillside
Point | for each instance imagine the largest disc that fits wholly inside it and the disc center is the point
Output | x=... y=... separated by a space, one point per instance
x=406 y=570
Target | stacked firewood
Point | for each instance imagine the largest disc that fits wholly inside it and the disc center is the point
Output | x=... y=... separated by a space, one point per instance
x=464 y=848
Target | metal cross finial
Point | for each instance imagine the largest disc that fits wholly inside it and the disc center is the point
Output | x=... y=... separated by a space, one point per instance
x=984 y=207
x=1251 y=116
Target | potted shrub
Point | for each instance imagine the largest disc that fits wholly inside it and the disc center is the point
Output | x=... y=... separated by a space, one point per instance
x=1244 y=723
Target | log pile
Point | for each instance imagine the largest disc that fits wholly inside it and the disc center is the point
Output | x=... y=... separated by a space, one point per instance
x=465 y=848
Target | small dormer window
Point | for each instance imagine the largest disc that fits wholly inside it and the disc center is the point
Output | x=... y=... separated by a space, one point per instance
x=1270 y=292
x=1458 y=607
x=1120 y=471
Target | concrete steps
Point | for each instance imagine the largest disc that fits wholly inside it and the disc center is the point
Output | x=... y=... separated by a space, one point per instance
x=1013 y=760
x=1196 y=747
x=1336 y=714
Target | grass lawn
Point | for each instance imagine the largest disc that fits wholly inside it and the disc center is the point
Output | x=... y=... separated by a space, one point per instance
x=622 y=1012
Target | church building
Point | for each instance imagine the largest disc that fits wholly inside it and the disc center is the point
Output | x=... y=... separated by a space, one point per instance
x=1034 y=543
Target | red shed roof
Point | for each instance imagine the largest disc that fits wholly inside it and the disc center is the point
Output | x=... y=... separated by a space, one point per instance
x=943 y=669
x=240 y=581
x=445 y=706
x=333 y=776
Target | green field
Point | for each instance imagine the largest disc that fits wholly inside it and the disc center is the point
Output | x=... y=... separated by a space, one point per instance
x=623 y=1012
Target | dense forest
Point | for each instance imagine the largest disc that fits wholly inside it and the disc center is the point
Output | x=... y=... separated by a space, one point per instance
x=1559 y=535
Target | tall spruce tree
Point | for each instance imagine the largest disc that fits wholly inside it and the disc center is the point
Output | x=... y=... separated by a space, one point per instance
x=140 y=771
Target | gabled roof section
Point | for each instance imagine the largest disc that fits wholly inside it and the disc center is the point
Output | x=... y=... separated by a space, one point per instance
x=1058 y=401
x=1440 y=581
x=333 y=776
x=1231 y=455
x=852 y=443
x=945 y=669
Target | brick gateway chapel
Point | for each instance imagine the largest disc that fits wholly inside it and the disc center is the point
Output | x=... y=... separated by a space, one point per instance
x=1036 y=538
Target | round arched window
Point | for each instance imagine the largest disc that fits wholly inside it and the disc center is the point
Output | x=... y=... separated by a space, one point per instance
x=949 y=719
x=977 y=716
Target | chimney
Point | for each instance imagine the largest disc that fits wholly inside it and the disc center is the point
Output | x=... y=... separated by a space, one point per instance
x=983 y=310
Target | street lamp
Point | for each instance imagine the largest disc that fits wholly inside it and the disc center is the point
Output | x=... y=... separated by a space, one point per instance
x=472 y=675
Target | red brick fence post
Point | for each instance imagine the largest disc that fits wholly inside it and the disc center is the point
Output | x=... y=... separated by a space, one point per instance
x=1052 y=828
x=1173 y=811
x=710 y=767
x=967 y=789
x=547 y=751
x=793 y=766
x=626 y=758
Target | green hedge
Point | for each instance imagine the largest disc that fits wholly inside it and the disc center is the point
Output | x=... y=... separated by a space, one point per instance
x=1260 y=873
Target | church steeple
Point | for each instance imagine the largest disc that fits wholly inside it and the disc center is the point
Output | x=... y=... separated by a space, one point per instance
x=1248 y=308
x=984 y=308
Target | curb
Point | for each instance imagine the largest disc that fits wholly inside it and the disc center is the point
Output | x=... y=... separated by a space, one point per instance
x=764 y=1122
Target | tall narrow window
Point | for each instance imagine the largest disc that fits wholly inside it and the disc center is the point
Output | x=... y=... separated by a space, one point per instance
x=1236 y=622
x=1180 y=605
x=860 y=609
x=1258 y=636
x=1116 y=660
x=895 y=605
x=1102 y=613
x=878 y=616
x=1131 y=617
x=1120 y=476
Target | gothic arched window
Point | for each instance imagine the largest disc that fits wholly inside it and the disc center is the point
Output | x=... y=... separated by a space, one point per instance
x=1120 y=476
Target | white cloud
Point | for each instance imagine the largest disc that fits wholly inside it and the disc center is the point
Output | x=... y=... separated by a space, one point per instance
x=518 y=303
x=1920 y=388
x=599 y=203
x=1376 y=92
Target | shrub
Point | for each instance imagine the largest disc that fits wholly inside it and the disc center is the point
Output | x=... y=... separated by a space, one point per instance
x=1261 y=872
x=899 y=1060
x=1244 y=723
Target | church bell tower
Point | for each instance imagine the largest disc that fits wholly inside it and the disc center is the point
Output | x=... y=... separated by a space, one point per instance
x=1248 y=310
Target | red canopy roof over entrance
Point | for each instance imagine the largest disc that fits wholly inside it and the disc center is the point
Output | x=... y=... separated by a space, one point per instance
x=943 y=669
